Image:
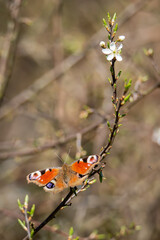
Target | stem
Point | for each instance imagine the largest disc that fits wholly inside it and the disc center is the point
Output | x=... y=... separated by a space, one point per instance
x=52 y=215
x=27 y=223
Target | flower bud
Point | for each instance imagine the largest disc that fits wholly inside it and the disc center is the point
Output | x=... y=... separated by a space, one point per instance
x=121 y=38
x=102 y=44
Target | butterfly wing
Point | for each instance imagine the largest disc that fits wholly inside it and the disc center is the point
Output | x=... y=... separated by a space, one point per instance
x=84 y=165
x=42 y=177
x=81 y=168
x=50 y=179
x=56 y=179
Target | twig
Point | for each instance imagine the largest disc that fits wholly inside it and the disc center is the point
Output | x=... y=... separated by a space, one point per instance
x=9 y=47
x=14 y=215
x=52 y=215
x=58 y=71
x=142 y=96
x=27 y=223
x=51 y=144
x=117 y=103
x=71 y=137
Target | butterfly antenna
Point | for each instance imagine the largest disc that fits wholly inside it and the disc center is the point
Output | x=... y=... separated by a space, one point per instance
x=59 y=158
x=67 y=155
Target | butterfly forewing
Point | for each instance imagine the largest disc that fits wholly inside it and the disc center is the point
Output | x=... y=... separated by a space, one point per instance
x=43 y=177
x=85 y=165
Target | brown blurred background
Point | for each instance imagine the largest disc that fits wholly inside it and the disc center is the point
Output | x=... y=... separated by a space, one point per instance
x=48 y=32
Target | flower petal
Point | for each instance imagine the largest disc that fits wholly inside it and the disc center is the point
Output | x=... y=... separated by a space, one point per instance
x=118 y=57
x=120 y=47
x=106 y=51
x=110 y=57
x=113 y=46
x=121 y=38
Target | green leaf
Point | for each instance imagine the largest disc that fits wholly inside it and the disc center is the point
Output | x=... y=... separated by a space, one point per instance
x=109 y=17
x=114 y=18
x=32 y=232
x=119 y=74
x=104 y=22
x=127 y=97
x=109 y=37
x=127 y=84
x=71 y=231
x=77 y=238
x=22 y=224
x=32 y=210
x=108 y=124
x=100 y=176
x=19 y=204
x=115 y=28
x=101 y=236
x=26 y=201
x=123 y=115
x=109 y=80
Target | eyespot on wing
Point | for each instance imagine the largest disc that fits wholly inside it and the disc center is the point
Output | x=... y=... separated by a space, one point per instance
x=42 y=177
x=84 y=165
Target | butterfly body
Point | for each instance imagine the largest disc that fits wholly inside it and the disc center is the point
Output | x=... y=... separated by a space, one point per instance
x=57 y=179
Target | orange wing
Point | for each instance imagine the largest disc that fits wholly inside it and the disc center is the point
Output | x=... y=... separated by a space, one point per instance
x=43 y=177
x=85 y=165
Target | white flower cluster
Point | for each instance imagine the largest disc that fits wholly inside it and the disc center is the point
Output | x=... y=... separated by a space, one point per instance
x=113 y=51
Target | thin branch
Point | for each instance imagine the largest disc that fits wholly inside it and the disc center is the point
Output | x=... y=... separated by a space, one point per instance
x=27 y=223
x=142 y=96
x=117 y=103
x=53 y=214
x=10 y=46
x=59 y=70
x=51 y=144
x=14 y=215
x=71 y=137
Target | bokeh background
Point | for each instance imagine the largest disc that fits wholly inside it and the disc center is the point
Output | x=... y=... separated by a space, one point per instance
x=57 y=46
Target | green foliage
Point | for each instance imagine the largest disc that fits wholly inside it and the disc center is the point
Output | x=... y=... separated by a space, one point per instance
x=23 y=225
x=101 y=236
x=20 y=205
x=104 y=22
x=127 y=84
x=26 y=225
x=109 y=80
x=32 y=232
x=115 y=28
x=109 y=17
x=119 y=74
x=114 y=18
x=71 y=231
x=100 y=176
x=31 y=213
x=127 y=98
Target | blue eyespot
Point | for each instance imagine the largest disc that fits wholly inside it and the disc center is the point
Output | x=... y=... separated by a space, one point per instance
x=50 y=185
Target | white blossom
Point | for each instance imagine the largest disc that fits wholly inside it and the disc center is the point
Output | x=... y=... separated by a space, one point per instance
x=113 y=52
x=121 y=38
x=102 y=44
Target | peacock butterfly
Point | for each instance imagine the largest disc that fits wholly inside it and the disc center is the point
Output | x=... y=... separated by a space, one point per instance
x=57 y=179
